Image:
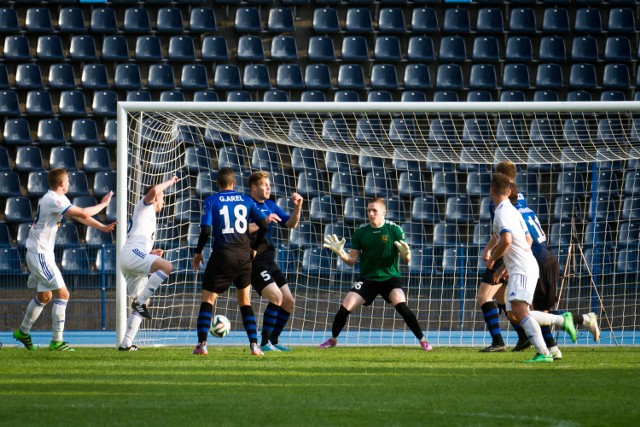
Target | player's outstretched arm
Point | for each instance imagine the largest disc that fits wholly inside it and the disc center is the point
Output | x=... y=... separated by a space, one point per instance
x=337 y=245
x=91 y=222
x=88 y=212
x=294 y=218
x=403 y=249
x=148 y=198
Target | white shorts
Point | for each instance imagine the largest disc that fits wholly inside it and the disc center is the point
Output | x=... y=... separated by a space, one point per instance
x=44 y=274
x=520 y=287
x=135 y=264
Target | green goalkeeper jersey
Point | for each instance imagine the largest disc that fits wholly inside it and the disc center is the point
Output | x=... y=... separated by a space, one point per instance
x=378 y=254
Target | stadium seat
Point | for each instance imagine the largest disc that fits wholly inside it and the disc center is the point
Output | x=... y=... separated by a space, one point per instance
x=355 y=210
x=490 y=21
x=169 y=20
x=420 y=49
x=622 y=21
x=449 y=77
x=579 y=96
x=103 y=20
x=617 y=49
x=105 y=261
x=9 y=105
x=552 y=49
x=148 y=48
x=510 y=131
x=96 y=159
x=549 y=76
x=127 y=77
x=628 y=232
x=280 y=20
x=632 y=182
x=181 y=49
x=565 y=207
x=358 y=20
x=516 y=76
x=387 y=49
x=289 y=77
x=231 y=157
x=476 y=132
x=206 y=183
x=49 y=48
x=377 y=184
x=4 y=159
x=630 y=208
x=22 y=234
x=61 y=76
x=137 y=21
x=481 y=234
x=205 y=96
x=417 y=77
x=351 y=77
x=28 y=76
x=214 y=49
x=412 y=95
x=94 y=77
x=415 y=234
x=336 y=162
x=248 y=20
x=227 y=77
x=321 y=49
x=75 y=264
x=316 y=261
x=344 y=184
x=445 y=234
x=95 y=239
x=325 y=21
x=4 y=77
x=17 y=210
x=10 y=184
x=161 y=77
x=16 y=48
x=16 y=131
x=445 y=184
x=71 y=21
x=202 y=20
x=616 y=76
x=478 y=183
x=522 y=21
x=456 y=21
x=10 y=261
x=555 y=21
x=39 y=103
x=485 y=49
x=340 y=229
x=284 y=49
x=9 y=20
x=519 y=49
x=411 y=184
x=38 y=20
x=250 y=49
x=546 y=96
x=336 y=130
x=303 y=159
x=346 y=96
x=384 y=77
x=115 y=49
x=317 y=77
x=588 y=21
x=67 y=234
x=83 y=48
x=63 y=157
x=483 y=77
x=104 y=103
x=424 y=20
x=538 y=156
x=355 y=49
x=323 y=209
x=303 y=236
x=194 y=77
x=612 y=95
x=72 y=103
x=442 y=131
x=391 y=20
x=5 y=236
x=78 y=184
x=453 y=49
x=459 y=210
x=104 y=182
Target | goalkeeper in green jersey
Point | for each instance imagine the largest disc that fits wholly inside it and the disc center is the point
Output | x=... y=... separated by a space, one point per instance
x=378 y=245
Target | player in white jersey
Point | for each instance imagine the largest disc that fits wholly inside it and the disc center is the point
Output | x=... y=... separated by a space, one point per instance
x=143 y=267
x=44 y=273
x=514 y=245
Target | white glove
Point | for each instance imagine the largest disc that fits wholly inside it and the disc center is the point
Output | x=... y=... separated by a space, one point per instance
x=332 y=242
x=403 y=248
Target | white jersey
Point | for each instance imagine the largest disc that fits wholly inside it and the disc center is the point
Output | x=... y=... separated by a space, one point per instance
x=42 y=235
x=142 y=227
x=518 y=259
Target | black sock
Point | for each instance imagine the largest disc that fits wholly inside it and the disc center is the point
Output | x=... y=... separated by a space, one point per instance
x=268 y=322
x=339 y=321
x=492 y=319
x=283 y=317
x=249 y=322
x=548 y=336
x=204 y=321
x=410 y=319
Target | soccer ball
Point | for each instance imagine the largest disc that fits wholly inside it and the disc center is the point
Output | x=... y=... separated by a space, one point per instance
x=220 y=326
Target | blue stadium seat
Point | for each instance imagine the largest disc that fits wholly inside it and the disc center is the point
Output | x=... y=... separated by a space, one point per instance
x=391 y=20
x=617 y=49
x=571 y=183
x=632 y=182
x=83 y=48
x=214 y=49
x=206 y=183
x=280 y=20
x=250 y=48
x=630 y=208
x=227 y=77
x=337 y=162
x=317 y=77
x=344 y=184
x=519 y=49
x=483 y=77
x=565 y=207
x=49 y=48
x=38 y=20
x=105 y=260
x=449 y=77
x=4 y=77
x=478 y=183
x=402 y=131
x=445 y=234
x=72 y=103
x=490 y=21
x=16 y=48
x=351 y=77
x=628 y=232
x=479 y=96
x=549 y=76
x=456 y=21
x=4 y=159
x=358 y=20
x=39 y=103
x=415 y=234
x=303 y=158
x=384 y=76
x=96 y=159
x=137 y=21
x=95 y=239
x=194 y=77
x=516 y=76
x=63 y=157
x=265 y=158
x=28 y=76
x=321 y=49
x=103 y=20
x=412 y=95
x=621 y=20
x=442 y=131
x=22 y=234
x=115 y=49
x=78 y=184
x=538 y=156
x=9 y=184
x=172 y=96
x=355 y=49
x=396 y=210
x=289 y=77
x=316 y=261
x=17 y=210
x=546 y=96
x=424 y=20
x=283 y=48
x=325 y=21
x=522 y=21
x=202 y=20
x=579 y=96
x=369 y=131
x=103 y=183
x=355 y=209
x=161 y=77
x=423 y=261
x=75 y=264
x=560 y=234
x=127 y=77
x=377 y=184
x=71 y=21
x=10 y=261
x=607 y=183
x=552 y=49
x=481 y=234
x=411 y=184
x=29 y=159
x=485 y=49
x=616 y=76
x=169 y=20
x=420 y=49
x=387 y=48
x=612 y=95
x=67 y=234
x=476 y=131
x=231 y=157
x=181 y=49
x=281 y=183
x=148 y=48
x=459 y=210
x=445 y=184
x=588 y=21
x=323 y=209
x=9 y=20
x=555 y=21
x=205 y=96
x=340 y=229
x=5 y=236
x=104 y=103
x=453 y=49
x=336 y=130
x=16 y=131
x=417 y=77
x=303 y=236
x=346 y=96
x=9 y=105
x=61 y=77
x=510 y=131
x=248 y=20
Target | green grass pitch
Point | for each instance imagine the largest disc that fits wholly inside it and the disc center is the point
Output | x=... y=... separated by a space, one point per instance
x=355 y=386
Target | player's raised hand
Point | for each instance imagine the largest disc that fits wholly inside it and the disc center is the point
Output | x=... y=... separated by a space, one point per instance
x=403 y=248
x=174 y=179
x=157 y=252
x=296 y=199
x=198 y=260
x=107 y=198
x=336 y=245
x=108 y=228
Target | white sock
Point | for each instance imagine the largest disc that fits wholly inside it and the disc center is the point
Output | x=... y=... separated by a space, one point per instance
x=33 y=312
x=532 y=328
x=133 y=324
x=547 y=319
x=58 y=315
x=152 y=284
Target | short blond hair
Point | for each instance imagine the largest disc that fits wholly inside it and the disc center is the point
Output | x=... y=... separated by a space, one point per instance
x=507 y=168
x=256 y=177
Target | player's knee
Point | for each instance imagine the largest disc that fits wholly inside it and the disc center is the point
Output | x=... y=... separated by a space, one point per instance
x=276 y=299
x=44 y=298
x=166 y=268
x=288 y=303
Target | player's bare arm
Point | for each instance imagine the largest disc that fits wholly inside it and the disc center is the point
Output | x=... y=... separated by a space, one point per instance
x=337 y=246
x=91 y=222
x=157 y=189
x=294 y=219
x=88 y=212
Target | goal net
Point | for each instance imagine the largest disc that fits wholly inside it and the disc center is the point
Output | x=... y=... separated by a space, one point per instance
x=578 y=167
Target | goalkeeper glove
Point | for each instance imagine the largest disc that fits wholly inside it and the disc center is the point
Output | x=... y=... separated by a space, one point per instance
x=403 y=248
x=332 y=242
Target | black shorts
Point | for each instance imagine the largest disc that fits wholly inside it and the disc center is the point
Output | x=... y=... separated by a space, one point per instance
x=545 y=296
x=221 y=272
x=369 y=289
x=266 y=273
x=487 y=276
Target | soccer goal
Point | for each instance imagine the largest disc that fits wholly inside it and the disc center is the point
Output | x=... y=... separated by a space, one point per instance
x=578 y=167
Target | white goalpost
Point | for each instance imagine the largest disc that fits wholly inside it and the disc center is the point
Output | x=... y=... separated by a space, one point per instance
x=578 y=167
